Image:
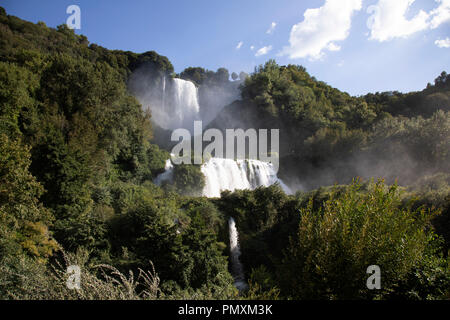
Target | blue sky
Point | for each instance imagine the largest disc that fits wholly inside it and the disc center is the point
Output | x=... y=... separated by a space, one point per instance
x=405 y=44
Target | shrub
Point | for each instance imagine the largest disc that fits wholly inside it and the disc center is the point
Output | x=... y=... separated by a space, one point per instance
x=336 y=243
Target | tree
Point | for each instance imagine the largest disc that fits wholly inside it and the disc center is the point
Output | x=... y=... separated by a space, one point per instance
x=23 y=219
x=188 y=179
x=243 y=75
x=443 y=80
x=234 y=76
x=17 y=86
x=222 y=75
x=197 y=75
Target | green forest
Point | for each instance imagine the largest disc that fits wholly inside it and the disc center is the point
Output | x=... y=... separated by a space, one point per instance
x=78 y=157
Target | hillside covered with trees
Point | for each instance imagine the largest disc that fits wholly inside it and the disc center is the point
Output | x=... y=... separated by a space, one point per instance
x=78 y=157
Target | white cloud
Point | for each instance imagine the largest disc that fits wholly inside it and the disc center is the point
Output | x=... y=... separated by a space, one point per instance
x=388 y=20
x=239 y=45
x=320 y=28
x=272 y=27
x=441 y=14
x=263 y=51
x=252 y=47
x=445 y=43
x=333 y=47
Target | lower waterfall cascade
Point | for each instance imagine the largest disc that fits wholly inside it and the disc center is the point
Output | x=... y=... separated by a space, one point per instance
x=235 y=253
x=227 y=174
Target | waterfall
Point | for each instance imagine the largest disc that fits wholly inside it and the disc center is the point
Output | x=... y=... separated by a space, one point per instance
x=226 y=174
x=185 y=107
x=166 y=175
x=164 y=93
x=173 y=104
x=235 y=253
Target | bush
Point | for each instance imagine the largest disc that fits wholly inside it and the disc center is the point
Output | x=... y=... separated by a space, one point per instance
x=335 y=244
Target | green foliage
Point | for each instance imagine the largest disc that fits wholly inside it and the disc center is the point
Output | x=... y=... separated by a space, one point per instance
x=16 y=89
x=261 y=285
x=201 y=76
x=429 y=279
x=160 y=63
x=71 y=105
x=434 y=192
x=425 y=103
x=201 y=208
x=338 y=142
x=188 y=179
x=290 y=94
x=23 y=218
x=205 y=256
x=335 y=245
x=181 y=241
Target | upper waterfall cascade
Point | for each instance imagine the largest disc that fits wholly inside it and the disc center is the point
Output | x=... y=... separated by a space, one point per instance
x=185 y=107
x=173 y=104
x=176 y=103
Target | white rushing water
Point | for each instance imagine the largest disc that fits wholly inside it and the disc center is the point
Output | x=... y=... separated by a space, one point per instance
x=164 y=93
x=185 y=107
x=175 y=104
x=226 y=174
x=235 y=253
